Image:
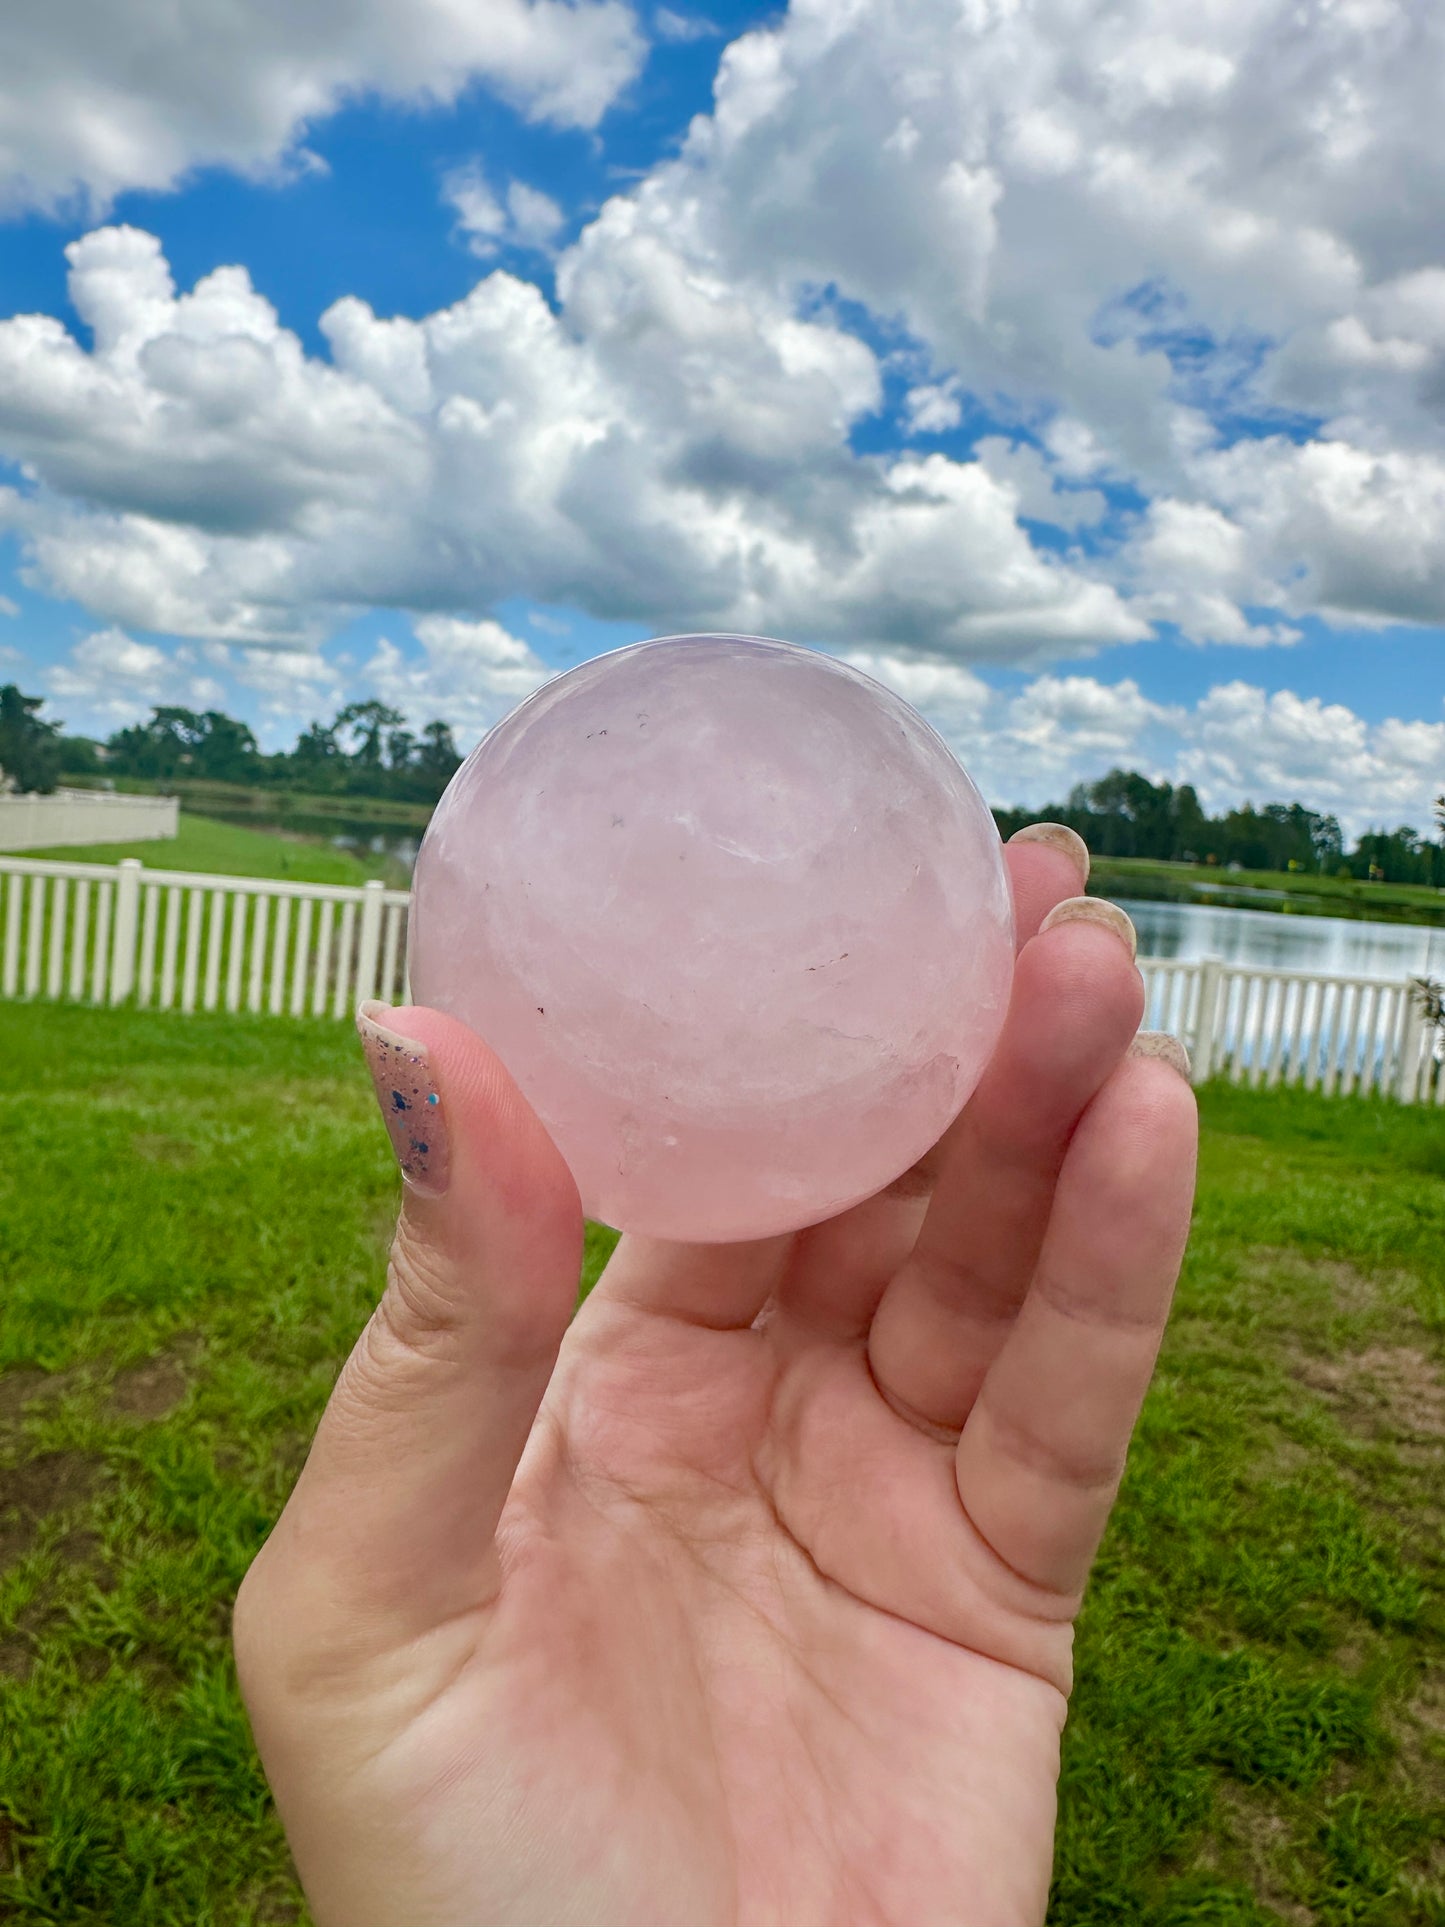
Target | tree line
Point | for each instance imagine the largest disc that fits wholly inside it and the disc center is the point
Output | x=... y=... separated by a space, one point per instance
x=1124 y=814
x=367 y=750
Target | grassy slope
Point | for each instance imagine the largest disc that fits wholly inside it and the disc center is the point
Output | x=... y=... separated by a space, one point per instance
x=1254 y=1738
x=232 y=850
x=1305 y=895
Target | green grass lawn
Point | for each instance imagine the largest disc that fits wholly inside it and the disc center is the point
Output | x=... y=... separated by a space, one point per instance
x=233 y=850
x=193 y=1213
x=1293 y=891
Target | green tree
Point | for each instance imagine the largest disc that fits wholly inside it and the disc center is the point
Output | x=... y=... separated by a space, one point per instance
x=152 y=749
x=1397 y=856
x=359 y=729
x=316 y=762
x=1125 y=814
x=29 y=747
x=1190 y=826
x=184 y=742
x=80 y=756
x=400 y=751
x=1133 y=815
x=1326 y=841
x=225 y=750
x=438 y=758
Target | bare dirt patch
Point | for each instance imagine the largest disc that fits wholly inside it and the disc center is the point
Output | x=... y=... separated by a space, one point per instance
x=276 y=1908
x=1428 y=1705
x=1342 y=1285
x=156 y=1148
x=1257 y=1834
x=82 y=1550
x=24 y=1385
x=48 y=1483
x=1394 y=1392
x=32 y=1490
x=151 y=1390
x=1418 y=1729
x=1420 y=1733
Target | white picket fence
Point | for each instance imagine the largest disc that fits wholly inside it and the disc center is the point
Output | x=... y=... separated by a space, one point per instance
x=1263 y=1027
x=171 y=940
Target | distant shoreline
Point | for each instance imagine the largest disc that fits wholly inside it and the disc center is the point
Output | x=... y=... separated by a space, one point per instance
x=1293 y=894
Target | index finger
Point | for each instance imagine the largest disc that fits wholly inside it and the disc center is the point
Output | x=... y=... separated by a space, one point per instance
x=1046 y=863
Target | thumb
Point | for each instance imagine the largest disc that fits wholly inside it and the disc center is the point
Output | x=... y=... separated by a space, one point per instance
x=390 y=1529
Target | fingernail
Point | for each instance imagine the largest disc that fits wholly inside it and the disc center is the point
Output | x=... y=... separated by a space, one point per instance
x=1166 y=1047
x=410 y=1102
x=1094 y=910
x=1058 y=836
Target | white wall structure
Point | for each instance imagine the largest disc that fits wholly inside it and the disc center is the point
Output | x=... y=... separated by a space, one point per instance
x=81 y=817
x=172 y=940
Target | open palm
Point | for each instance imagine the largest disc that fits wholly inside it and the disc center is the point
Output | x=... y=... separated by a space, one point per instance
x=747 y=1597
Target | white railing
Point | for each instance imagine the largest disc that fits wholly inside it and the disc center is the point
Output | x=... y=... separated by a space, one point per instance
x=170 y=940
x=1264 y=1027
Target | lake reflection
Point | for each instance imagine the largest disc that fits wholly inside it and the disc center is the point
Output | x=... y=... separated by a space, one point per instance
x=396 y=840
x=1268 y=939
x=1329 y=946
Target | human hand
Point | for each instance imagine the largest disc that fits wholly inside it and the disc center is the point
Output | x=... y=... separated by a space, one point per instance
x=746 y=1598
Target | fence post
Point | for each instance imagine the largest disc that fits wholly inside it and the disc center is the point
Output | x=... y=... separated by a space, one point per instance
x=369 y=948
x=1202 y=1051
x=122 y=945
x=1412 y=1036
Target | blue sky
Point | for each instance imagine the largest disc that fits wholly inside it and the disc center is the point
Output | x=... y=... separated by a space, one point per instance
x=388 y=354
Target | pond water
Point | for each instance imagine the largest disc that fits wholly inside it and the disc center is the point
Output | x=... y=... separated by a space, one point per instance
x=1333 y=946
x=1270 y=939
x=378 y=836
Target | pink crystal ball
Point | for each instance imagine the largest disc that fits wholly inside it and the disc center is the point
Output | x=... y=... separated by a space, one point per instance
x=736 y=921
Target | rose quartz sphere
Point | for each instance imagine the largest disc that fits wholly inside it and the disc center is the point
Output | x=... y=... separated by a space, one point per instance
x=735 y=920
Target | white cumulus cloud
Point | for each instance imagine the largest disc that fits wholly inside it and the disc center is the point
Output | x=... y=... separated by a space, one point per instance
x=1189 y=268
x=1237 y=743
x=523 y=217
x=681 y=27
x=1025 y=745
x=669 y=448
x=98 y=98
x=470 y=674
x=115 y=680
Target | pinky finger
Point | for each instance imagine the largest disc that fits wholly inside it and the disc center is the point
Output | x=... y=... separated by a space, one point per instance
x=1041 y=1456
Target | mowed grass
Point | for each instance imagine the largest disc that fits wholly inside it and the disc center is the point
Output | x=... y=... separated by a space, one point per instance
x=207 y=845
x=1300 y=891
x=194 y=1215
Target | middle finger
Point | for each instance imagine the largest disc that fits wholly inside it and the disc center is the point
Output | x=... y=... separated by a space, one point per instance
x=1077 y=1001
